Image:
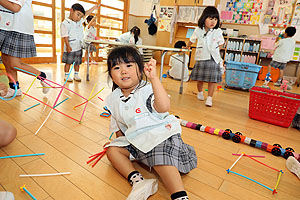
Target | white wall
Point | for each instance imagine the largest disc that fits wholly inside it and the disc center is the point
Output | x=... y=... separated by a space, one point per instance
x=140 y=7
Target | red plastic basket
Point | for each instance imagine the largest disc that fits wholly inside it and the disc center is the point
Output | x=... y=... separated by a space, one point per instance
x=272 y=106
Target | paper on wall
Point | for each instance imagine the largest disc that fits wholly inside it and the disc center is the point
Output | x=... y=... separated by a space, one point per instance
x=164 y=25
x=297 y=35
x=263 y=28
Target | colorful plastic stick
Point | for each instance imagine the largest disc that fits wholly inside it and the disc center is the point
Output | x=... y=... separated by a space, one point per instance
x=87 y=102
x=52 y=174
x=88 y=99
x=23 y=188
x=16 y=88
x=111 y=135
x=25 y=155
x=236 y=161
x=44 y=122
x=277 y=183
x=51 y=107
x=237 y=154
x=96 y=94
x=100 y=99
x=32 y=106
x=64 y=84
x=48 y=87
x=98 y=155
x=249 y=179
x=263 y=163
x=61 y=102
x=61 y=86
x=30 y=86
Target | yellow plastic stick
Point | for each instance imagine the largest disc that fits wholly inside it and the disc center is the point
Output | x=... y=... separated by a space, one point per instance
x=278 y=179
x=29 y=87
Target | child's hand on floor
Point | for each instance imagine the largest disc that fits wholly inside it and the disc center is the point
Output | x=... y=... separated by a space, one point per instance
x=150 y=69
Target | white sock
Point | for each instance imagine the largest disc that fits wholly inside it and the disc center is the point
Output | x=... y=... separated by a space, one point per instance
x=135 y=177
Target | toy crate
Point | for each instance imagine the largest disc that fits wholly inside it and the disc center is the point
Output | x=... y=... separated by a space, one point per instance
x=241 y=75
x=272 y=106
x=274 y=73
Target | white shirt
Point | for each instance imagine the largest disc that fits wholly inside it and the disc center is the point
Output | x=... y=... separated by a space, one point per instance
x=208 y=44
x=90 y=33
x=21 y=21
x=139 y=42
x=136 y=117
x=175 y=63
x=73 y=30
x=125 y=37
x=285 y=50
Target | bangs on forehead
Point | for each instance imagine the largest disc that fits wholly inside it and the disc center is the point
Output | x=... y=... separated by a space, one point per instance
x=213 y=15
x=125 y=57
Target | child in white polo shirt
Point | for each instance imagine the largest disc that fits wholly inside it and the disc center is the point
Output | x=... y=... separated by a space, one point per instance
x=144 y=128
x=16 y=41
x=208 y=60
x=73 y=34
x=283 y=52
x=176 y=61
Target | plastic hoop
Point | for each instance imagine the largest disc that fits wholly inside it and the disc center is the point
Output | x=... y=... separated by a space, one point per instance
x=16 y=88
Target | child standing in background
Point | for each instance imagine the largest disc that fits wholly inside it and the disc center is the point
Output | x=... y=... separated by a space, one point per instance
x=16 y=41
x=144 y=128
x=208 y=67
x=283 y=52
x=73 y=34
x=176 y=61
x=90 y=34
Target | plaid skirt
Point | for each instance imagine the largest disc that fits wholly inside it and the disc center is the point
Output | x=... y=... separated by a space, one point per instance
x=278 y=65
x=92 y=47
x=172 y=151
x=207 y=71
x=17 y=44
x=71 y=57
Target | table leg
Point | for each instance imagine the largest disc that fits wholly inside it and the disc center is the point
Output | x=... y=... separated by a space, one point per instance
x=182 y=75
x=162 y=64
x=88 y=63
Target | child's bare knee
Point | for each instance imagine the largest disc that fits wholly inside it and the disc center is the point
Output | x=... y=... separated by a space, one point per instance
x=8 y=135
x=110 y=152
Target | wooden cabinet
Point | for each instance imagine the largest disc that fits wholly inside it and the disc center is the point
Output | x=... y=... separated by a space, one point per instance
x=168 y=2
x=241 y=50
x=189 y=2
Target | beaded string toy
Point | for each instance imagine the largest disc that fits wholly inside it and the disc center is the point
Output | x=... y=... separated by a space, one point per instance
x=237 y=137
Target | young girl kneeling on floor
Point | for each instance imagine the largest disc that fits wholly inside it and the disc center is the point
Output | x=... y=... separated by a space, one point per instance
x=143 y=127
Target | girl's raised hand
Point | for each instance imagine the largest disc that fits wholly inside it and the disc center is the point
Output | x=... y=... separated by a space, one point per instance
x=150 y=69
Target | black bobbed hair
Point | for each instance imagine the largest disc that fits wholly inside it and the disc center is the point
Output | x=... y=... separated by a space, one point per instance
x=125 y=54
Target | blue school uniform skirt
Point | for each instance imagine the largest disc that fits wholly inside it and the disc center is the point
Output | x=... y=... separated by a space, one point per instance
x=17 y=44
x=207 y=71
x=71 y=57
x=173 y=151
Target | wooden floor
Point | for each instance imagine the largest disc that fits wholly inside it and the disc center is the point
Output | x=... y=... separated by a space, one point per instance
x=67 y=145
